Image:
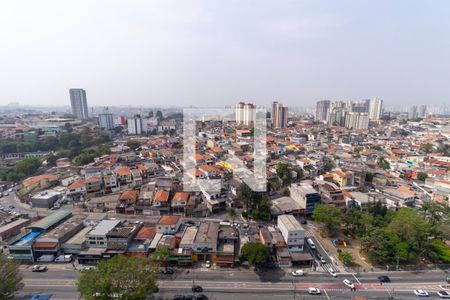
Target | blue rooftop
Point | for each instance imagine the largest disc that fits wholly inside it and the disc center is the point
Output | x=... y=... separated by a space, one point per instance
x=28 y=238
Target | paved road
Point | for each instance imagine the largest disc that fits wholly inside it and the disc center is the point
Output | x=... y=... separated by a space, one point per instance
x=248 y=285
x=9 y=200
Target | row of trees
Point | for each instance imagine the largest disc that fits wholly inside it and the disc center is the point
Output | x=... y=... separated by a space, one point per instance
x=388 y=236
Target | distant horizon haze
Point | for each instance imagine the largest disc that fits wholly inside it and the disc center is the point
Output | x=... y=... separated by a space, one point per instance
x=171 y=53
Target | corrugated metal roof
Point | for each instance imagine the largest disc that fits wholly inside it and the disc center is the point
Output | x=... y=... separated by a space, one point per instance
x=50 y=220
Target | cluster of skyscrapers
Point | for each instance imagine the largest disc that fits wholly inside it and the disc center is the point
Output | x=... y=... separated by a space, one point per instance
x=417 y=111
x=351 y=114
x=245 y=114
x=279 y=115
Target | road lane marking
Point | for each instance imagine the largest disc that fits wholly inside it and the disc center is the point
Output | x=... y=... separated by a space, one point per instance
x=356 y=278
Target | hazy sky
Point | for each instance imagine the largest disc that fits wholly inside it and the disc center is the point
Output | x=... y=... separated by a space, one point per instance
x=207 y=53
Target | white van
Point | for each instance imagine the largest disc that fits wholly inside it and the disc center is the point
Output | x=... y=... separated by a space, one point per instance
x=64 y=258
x=311 y=243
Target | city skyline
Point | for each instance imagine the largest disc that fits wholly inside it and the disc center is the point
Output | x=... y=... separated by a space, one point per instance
x=293 y=52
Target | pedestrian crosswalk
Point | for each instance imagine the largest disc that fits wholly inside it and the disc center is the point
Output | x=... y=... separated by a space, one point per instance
x=327 y=266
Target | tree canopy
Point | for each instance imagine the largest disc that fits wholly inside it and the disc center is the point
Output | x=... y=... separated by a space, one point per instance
x=130 y=278
x=330 y=216
x=10 y=278
x=255 y=253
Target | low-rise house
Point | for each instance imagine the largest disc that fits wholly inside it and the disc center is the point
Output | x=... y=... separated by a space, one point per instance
x=168 y=225
x=39 y=182
x=93 y=184
x=179 y=202
x=119 y=238
x=161 y=203
x=76 y=189
x=124 y=175
x=110 y=183
x=97 y=237
x=126 y=202
x=205 y=243
x=137 y=177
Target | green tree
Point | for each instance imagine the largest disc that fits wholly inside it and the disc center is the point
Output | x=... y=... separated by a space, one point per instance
x=161 y=255
x=383 y=163
x=346 y=258
x=133 y=144
x=378 y=247
x=286 y=192
x=411 y=229
x=232 y=213
x=427 y=148
x=422 y=176
x=68 y=127
x=284 y=173
x=255 y=253
x=328 y=166
x=330 y=216
x=159 y=114
x=10 y=279
x=130 y=278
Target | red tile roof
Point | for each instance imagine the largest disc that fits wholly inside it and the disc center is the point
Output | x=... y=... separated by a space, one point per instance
x=181 y=196
x=169 y=220
x=162 y=196
x=146 y=232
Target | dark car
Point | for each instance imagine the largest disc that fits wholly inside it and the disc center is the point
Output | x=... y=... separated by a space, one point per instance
x=197 y=289
x=384 y=278
x=201 y=297
x=167 y=271
x=303 y=221
x=189 y=297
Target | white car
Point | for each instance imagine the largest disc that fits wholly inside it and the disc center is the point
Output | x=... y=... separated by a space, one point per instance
x=348 y=283
x=421 y=293
x=208 y=264
x=332 y=272
x=297 y=273
x=313 y=291
x=443 y=294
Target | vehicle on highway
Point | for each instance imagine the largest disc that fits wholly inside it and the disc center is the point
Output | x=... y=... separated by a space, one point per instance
x=421 y=293
x=167 y=271
x=5 y=193
x=41 y=297
x=313 y=291
x=189 y=297
x=348 y=283
x=311 y=244
x=197 y=289
x=38 y=268
x=201 y=297
x=298 y=273
x=208 y=264
x=443 y=294
x=178 y=297
x=384 y=278
x=332 y=272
